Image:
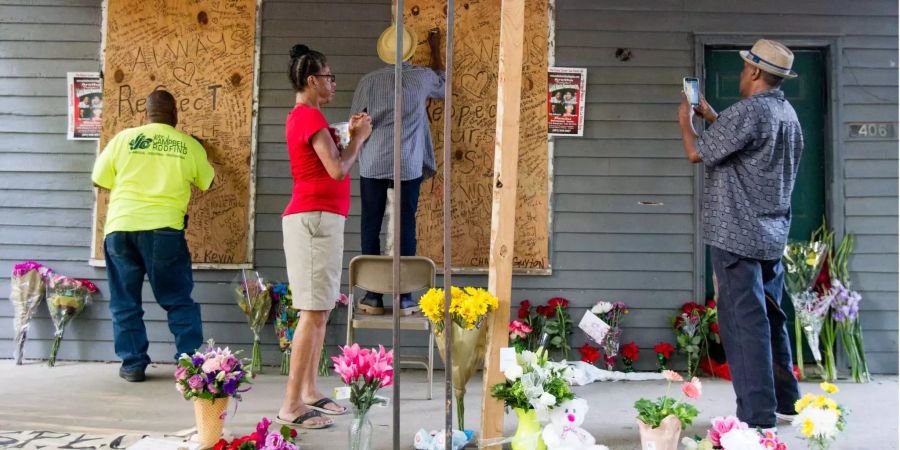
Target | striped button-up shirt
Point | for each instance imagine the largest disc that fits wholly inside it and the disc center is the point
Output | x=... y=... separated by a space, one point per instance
x=375 y=95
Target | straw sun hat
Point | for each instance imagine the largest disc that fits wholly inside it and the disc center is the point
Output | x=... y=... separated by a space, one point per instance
x=387 y=44
x=772 y=57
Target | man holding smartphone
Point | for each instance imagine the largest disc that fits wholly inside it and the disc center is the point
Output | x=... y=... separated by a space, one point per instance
x=751 y=153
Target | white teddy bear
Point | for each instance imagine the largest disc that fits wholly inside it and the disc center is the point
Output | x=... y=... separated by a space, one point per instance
x=564 y=431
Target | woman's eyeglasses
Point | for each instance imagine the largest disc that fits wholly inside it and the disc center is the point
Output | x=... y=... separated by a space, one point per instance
x=330 y=77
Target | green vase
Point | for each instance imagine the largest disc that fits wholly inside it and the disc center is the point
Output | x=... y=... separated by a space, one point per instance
x=528 y=434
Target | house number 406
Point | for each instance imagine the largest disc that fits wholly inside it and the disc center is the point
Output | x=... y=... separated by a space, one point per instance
x=872 y=130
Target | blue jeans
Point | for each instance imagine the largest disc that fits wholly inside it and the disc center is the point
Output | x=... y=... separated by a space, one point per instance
x=373 y=195
x=754 y=334
x=164 y=257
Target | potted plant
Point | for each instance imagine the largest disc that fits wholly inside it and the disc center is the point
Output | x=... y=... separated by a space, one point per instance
x=661 y=421
x=533 y=387
x=209 y=378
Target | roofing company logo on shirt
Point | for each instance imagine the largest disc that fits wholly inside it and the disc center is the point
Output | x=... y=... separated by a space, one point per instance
x=160 y=144
x=140 y=142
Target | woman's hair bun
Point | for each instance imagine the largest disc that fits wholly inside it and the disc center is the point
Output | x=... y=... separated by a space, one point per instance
x=299 y=50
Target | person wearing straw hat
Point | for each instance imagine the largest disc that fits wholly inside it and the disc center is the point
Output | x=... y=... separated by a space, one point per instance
x=375 y=95
x=751 y=152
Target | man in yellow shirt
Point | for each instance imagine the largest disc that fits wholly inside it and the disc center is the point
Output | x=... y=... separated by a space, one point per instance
x=149 y=171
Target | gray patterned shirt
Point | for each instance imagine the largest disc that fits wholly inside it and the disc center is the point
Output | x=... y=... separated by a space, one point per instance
x=375 y=95
x=751 y=153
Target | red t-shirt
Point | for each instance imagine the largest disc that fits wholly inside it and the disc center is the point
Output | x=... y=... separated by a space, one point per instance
x=314 y=189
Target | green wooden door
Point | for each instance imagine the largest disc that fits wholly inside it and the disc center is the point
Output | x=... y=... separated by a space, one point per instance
x=808 y=94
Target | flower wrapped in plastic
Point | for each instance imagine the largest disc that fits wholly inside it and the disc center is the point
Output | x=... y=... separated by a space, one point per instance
x=612 y=313
x=26 y=292
x=803 y=263
x=66 y=298
x=469 y=309
x=810 y=309
x=252 y=295
x=285 y=322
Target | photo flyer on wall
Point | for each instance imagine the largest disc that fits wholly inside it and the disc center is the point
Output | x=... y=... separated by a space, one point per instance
x=85 y=92
x=566 y=88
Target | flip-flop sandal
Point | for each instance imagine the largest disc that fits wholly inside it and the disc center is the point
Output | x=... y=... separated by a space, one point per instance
x=319 y=406
x=300 y=421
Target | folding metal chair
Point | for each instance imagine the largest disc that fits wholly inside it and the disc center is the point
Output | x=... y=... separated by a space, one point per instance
x=373 y=273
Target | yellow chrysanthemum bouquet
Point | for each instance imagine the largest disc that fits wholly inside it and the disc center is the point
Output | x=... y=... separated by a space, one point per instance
x=820 y=418
x=469 y=308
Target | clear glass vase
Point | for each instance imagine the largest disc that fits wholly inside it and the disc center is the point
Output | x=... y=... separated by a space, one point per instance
x=360 y=432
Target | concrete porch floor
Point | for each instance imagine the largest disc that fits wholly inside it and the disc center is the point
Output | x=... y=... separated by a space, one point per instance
x=90 y=398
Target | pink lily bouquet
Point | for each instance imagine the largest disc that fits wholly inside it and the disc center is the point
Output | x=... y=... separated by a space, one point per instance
x=211 y=374
x=365 y=371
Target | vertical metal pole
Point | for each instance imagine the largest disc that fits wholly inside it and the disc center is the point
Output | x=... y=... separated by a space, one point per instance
x=448 y=278
x=398 y=133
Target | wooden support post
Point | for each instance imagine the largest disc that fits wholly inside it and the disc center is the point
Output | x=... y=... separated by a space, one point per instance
x=503 y=210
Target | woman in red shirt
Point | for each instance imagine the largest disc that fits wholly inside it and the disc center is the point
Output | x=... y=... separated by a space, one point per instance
x=313 y=228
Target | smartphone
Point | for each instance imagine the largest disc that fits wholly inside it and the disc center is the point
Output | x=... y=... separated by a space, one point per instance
x=692 y=90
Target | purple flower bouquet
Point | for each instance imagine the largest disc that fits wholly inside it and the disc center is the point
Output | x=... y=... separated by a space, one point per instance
x=210 y=378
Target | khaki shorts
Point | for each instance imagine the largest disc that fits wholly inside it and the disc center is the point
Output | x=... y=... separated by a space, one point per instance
x=314 y=250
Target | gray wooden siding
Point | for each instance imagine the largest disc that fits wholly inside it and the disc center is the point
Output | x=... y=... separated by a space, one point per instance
x=605 y=244
x=634 y=103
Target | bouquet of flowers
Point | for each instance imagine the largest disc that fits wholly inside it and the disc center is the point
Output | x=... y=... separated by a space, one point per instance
x=534 y=383
x=66 y=298
x=612 y=314
x=589 y=353
x=365 y=371
x=210 y=374
x=663 y=351
x=285 y=322
x=552 y=320
x=528 y=327
x=845 y=310
x=252 y=296
x=652 y=413
x=820 y=418
x=26 y=292
x=845 y=313
x=693 y=331
x=519 y=335
x=324 y=369
x=210 y=378
x=558 y=325
x=262 y=439
x=729 y=433
x=469 y=308
x=803 y=262
x=630 y=353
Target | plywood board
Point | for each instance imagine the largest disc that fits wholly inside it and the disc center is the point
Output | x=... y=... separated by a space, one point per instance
x=203 y=52
x=476 y=53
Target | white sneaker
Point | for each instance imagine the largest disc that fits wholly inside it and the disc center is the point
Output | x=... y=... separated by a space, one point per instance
x=785 y=418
